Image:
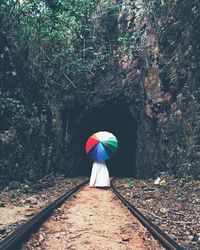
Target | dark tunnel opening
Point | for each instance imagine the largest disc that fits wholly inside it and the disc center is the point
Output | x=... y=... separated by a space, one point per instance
x=117 y=120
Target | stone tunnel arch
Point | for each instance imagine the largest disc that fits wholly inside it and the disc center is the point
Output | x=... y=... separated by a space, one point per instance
x=118 y=120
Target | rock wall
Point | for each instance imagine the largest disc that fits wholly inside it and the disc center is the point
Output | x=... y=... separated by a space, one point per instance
x=151 y=65
x=30 y=125
x=169 y=50
x=172 y=85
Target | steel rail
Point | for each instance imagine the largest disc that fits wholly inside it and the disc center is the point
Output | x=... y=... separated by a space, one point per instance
x=158 y=234
x=15 y=240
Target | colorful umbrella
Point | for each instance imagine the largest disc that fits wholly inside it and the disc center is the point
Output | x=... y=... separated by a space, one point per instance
x=101 y=146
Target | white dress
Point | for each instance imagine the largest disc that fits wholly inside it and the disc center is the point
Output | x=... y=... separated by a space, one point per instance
x=100 y=175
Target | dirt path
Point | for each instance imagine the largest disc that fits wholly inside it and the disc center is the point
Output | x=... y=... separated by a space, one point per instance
x=10 y=215
x=95 y=220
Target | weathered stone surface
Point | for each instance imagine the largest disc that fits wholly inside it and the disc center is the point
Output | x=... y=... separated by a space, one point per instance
x=14 y=185
x=156 y=76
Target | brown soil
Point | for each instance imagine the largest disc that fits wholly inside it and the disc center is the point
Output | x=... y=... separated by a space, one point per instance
x=30 y=199
x=94 y=220
x=173 y=205
x=11 y=215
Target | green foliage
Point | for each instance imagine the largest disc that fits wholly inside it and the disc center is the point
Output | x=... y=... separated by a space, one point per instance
x=8 y=12
x=22 y=131
x=13 y=194
x=152 y=7
x=130 y=183
x=58 y=57
x=45 y=203
x=180 y=192
x=11 y=112
x=1 y=202
x=154 y=10
x=130 y=43
x=109 y=9
x=55 y=37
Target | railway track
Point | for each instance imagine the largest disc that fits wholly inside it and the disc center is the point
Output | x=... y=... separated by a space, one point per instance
x=21 y=235
x=158 y=234
x=15 y=240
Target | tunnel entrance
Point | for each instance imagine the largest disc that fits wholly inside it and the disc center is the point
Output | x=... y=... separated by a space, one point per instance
x=117 y=120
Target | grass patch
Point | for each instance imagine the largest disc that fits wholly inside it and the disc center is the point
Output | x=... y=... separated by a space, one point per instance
x=15 y=193
x=130 y=184
x=1 y=202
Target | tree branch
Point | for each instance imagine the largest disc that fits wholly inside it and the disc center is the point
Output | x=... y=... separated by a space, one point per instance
x=70 y=81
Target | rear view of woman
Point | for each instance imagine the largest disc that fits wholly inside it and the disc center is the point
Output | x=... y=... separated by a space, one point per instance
x=101 y=146
x=99 y=175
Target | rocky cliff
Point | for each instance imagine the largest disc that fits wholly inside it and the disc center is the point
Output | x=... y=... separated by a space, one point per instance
x=153 y=69
x=150 y=67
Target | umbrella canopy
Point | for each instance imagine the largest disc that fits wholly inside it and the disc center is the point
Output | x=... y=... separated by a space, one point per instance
x=101 y=146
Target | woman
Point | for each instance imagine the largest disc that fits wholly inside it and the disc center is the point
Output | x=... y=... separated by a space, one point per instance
x=100 y=175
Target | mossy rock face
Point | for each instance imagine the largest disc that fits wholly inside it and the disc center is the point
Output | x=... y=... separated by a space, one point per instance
x=2 y=183
x=14 y=185
x=149 y=63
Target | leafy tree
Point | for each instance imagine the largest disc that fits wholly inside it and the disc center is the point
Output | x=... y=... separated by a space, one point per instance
x=56 y=41
x=59 y=57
